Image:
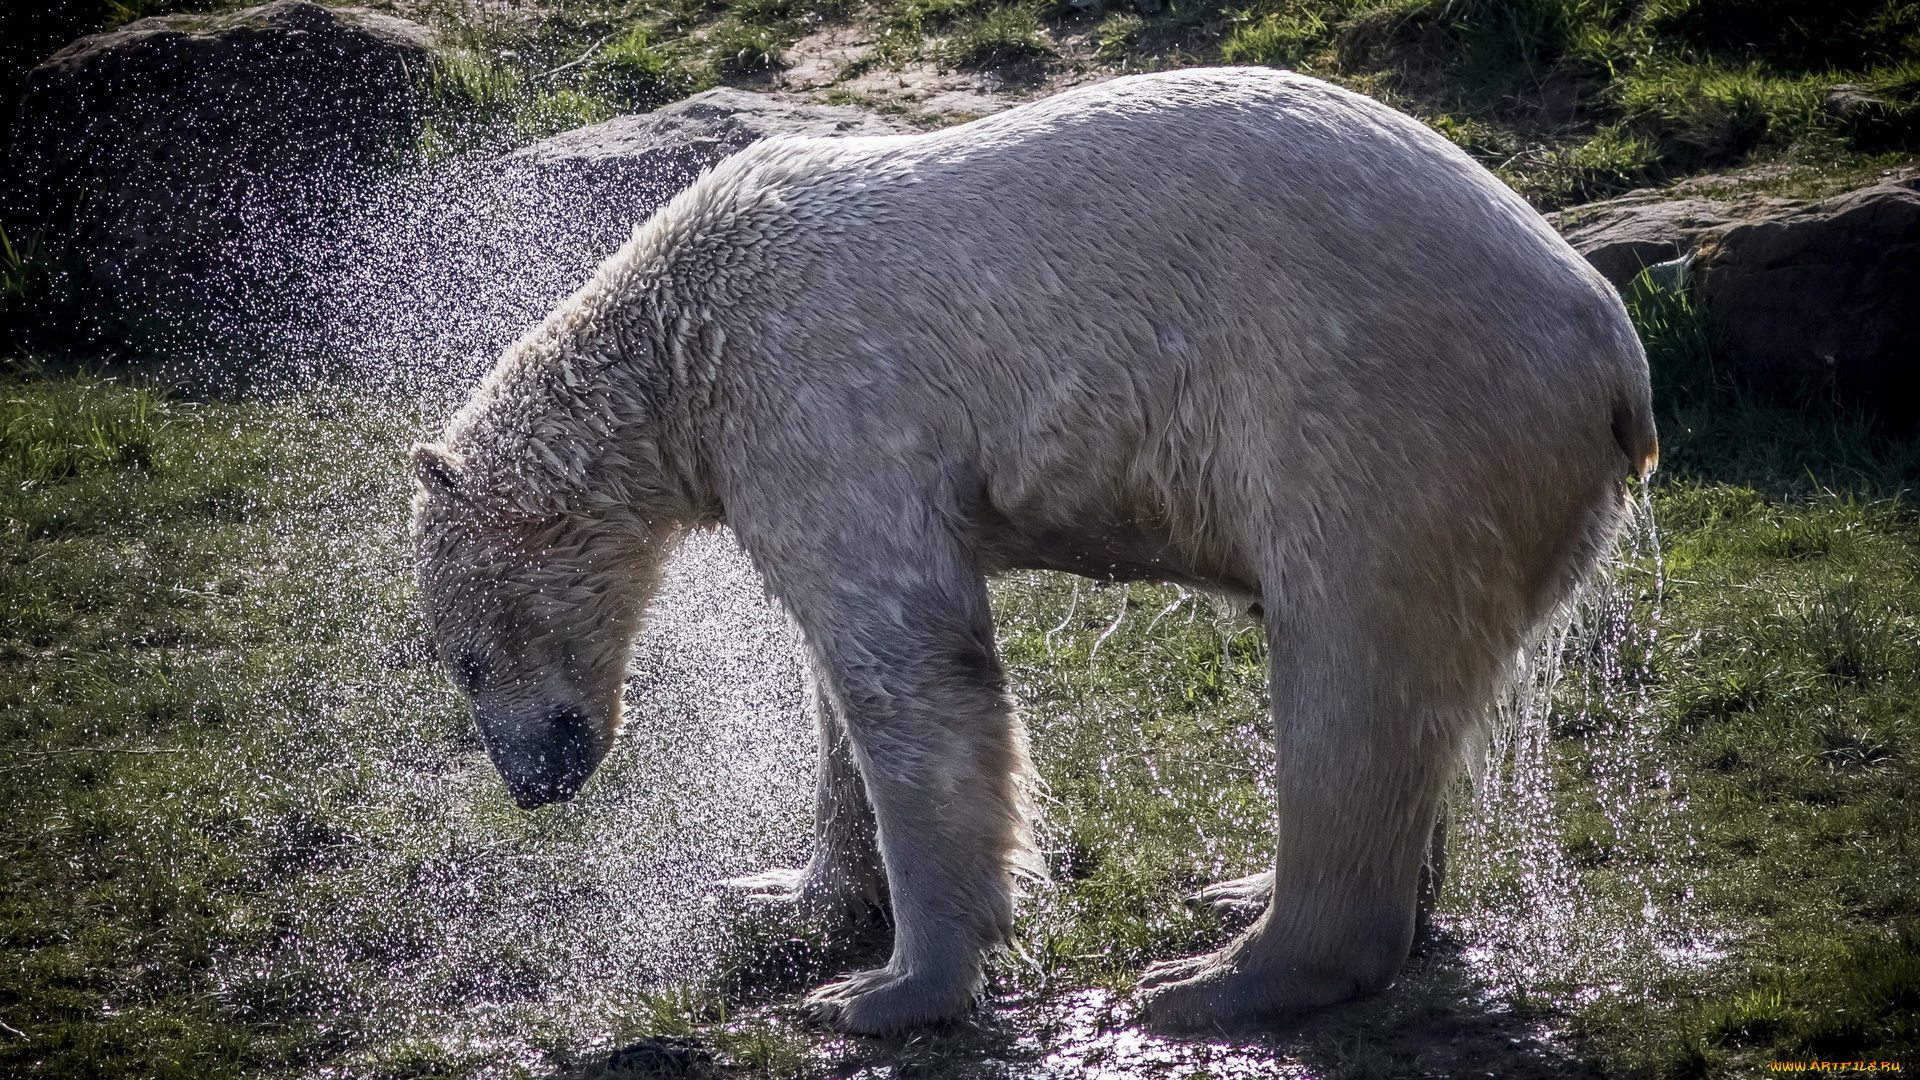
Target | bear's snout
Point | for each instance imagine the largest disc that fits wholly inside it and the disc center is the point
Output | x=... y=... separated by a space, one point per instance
x=551 y=764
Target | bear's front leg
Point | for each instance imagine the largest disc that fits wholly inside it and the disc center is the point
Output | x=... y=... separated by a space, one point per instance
x=903 y=641
x=843 y=885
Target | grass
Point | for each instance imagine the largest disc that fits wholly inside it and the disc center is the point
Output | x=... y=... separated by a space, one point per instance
x=1782 y=681
x=1001 y=35
x=633 y=74
x=85 y=427
x=130 y=806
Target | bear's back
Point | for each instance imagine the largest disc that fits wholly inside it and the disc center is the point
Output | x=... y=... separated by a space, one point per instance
x=1192 y=212
x=1096 y=292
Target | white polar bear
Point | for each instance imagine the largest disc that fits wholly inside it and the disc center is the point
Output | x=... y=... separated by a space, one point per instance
x=1233 y=328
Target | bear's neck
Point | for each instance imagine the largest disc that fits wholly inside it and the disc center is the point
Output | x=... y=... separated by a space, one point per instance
x=590 y=412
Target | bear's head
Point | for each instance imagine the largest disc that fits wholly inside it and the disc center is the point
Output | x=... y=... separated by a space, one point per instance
x=534 y=614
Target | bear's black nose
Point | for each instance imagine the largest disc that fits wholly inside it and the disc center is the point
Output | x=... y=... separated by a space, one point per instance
x=550 y=766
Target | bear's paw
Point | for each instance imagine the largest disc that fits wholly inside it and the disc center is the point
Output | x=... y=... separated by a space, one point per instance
x=1221 y=992
x=884 y=1001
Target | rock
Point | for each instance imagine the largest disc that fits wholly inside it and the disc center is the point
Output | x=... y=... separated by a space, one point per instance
x=1807 y=295
x=661 y=1056
x=1622 y=236
x=170 y=154
x=661 y=152
x=1826 y=295
x=1848 y=100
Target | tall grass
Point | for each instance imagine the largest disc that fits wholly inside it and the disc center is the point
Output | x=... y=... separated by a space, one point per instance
x=479 y=103
x=1001 y=35
x=77 y=427
x=1683 y=344
x=1709 y=114
x=1275 y=39
x=739 y=48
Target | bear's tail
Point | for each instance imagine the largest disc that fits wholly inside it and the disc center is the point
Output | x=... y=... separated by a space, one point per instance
x=1633 y=431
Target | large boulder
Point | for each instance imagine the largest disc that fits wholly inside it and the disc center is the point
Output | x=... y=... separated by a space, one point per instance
x=169 y=155
x=674 y=142
x=1623 y=236
x=1826 y=295
x=1807 y=295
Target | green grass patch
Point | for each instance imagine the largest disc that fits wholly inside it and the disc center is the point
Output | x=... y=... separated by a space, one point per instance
x=1001 y=35
x=479 y=104
x=634 y=74
x=1705 y=115
x=1276 y=40
x=1118 y=35
x=741 y=48
x=85 y=426
x=137 y=557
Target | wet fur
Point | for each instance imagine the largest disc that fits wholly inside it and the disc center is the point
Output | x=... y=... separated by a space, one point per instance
x=1234 y=328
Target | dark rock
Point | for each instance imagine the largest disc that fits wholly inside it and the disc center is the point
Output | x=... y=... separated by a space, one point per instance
x=1808 y=296
x=1622 y=236
x=661 y=1056
x=1827 y=295
x=1848 y=100
x=169 y=155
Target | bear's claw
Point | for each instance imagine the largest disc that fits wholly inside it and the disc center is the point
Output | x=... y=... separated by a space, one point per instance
x=829 y=900
x=1184 y=997
x=775 y=886
x=1166 y=972
x=1222 y=991
x=1240 y=900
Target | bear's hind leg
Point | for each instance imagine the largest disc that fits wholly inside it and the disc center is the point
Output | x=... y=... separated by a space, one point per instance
x=843 y=885
x=1241 y=900
x=1366 y=744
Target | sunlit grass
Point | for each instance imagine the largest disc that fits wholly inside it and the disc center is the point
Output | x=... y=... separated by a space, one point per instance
x=88 y=425
x=144 y=653
x=1000 y=36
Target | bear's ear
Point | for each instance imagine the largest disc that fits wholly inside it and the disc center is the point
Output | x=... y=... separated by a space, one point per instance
x=438 y=469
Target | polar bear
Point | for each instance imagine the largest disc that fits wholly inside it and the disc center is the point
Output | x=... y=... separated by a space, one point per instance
x=1233 y=328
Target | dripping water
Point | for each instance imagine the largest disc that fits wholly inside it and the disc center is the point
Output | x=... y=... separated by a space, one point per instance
x=1549 y=909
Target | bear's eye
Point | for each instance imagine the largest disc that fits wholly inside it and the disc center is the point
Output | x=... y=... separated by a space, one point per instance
x=471 y=671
